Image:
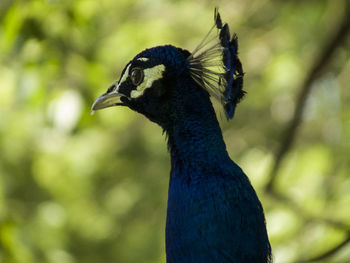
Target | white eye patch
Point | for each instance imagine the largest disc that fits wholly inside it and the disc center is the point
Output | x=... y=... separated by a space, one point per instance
x=150 y=76
x=124 y=77
x=143 y=59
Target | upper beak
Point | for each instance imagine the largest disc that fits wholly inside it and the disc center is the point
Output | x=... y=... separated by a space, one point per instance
x=108 y=99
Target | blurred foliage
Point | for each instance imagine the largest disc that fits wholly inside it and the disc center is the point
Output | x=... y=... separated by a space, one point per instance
x=81 y=188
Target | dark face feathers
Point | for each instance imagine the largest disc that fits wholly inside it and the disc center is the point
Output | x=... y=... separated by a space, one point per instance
x=147 y=81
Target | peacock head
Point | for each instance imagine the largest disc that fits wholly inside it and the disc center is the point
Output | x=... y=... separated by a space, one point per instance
x=157 y=77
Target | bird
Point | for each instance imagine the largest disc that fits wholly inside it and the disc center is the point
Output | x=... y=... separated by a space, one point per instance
x=213 y=212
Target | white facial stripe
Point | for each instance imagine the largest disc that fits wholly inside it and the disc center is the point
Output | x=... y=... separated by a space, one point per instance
x=150 y=75
x=124 y=77
x=143 y=59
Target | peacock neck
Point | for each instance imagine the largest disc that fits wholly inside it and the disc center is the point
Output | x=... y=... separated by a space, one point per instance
x=195 y=137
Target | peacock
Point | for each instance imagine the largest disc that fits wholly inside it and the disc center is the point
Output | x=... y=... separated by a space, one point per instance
x=213 y=212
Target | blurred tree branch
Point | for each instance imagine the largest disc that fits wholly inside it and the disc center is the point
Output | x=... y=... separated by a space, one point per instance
x=319 y=65
x=292 y=129
x=329 y=252
x=307 y=216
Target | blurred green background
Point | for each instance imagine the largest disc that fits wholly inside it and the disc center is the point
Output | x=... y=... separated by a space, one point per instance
x=81 y=188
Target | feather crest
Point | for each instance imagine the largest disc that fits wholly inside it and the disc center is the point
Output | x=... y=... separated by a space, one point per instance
x=215 y=66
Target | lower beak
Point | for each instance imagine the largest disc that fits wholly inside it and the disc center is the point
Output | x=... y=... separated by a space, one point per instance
x=106 y=100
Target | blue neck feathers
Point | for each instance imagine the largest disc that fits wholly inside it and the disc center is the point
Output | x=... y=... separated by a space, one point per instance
x=213 y=212
x=195 y=134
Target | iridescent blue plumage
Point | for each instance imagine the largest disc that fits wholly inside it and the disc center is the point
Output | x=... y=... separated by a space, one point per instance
x=168 y=55
x=214 y=214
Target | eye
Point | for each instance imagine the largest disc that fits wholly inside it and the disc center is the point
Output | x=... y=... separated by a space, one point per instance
x=136 y=76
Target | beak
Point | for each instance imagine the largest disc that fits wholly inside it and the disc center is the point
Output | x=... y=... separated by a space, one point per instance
x=109 y=99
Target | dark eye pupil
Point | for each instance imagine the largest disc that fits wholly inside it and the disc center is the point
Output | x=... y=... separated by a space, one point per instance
x=136 y=76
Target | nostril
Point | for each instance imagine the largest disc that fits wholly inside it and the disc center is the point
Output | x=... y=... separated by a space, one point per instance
x=112 y=87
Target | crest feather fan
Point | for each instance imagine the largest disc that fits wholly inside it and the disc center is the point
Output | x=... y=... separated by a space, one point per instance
x=215 y=66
